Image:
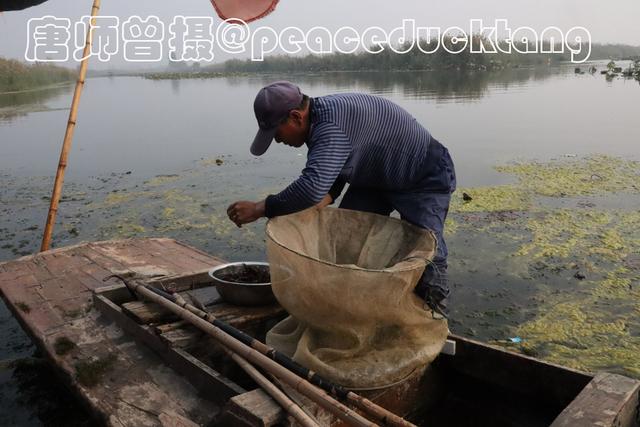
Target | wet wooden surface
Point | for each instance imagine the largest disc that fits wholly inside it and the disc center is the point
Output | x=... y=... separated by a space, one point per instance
x=127 y=384
x=51 y=294
x=189 y=351
x=609 y=400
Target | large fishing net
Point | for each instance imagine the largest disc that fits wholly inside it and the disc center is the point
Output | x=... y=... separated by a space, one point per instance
x=346 y=278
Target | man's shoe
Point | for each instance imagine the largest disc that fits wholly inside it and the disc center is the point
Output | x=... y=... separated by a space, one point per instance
x=438 y=308
x=434 y=290
x=437 y=300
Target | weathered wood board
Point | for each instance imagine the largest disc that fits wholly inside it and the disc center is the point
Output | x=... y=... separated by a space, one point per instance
x=147 y=368
x=51 y=296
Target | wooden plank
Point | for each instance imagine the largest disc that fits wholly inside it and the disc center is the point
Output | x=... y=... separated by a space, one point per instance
x=206 y=296
x=255 y=409
x=609 y=400
x=556 y=385
x=183 y=262
x=182 y=341
x=241 y=317
x=102 y=260
x=146 y=313
x=132 y=259
x=186 y=257
x=96 y=271
x=64 y=262
x=16 y=291
x=246 y=316
x=165 y=251
x=89 y=281
x=212 y=384
x=62 y=288
x=184 y=281
x=117 y=294
x=14 y=268
x=194 y=341
x=184 y=338
x=38 y=270
x=171 y=419
x=421 y=390
x=11 y=273
x=183 y=335
x=197 y=253
x=63 y=276
x=161 y=329
x=130 y=255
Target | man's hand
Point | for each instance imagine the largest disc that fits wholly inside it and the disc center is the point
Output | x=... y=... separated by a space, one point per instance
x=326 y=201
x=245 y=212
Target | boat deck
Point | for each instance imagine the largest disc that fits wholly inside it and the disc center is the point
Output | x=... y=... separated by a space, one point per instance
x=123 y=382
x=132 y=365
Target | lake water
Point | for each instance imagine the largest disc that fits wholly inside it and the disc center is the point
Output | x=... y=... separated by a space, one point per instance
x=153 y=127
x=143 y=163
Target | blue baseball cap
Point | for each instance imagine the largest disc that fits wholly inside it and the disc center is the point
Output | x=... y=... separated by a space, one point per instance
x=272 y=105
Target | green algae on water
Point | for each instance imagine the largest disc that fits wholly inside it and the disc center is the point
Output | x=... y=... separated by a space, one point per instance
x=162 y=179
x=583 y=333
x=492 y=199
x=598 y=174
x=590 y=324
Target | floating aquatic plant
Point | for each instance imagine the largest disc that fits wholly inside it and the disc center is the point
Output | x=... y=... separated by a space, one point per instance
x=590 y=324
x=599 y=174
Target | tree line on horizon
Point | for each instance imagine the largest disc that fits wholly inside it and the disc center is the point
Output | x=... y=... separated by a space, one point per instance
x=415 y=59
x=17 y=76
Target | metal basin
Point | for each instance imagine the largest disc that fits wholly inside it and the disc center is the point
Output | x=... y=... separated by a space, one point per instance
x=237 y=283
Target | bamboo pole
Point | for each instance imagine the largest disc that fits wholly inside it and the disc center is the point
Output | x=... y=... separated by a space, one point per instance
x=287 y=404
x=379 y=413
x=294 y=399
x=68 y=136
x=314 y=393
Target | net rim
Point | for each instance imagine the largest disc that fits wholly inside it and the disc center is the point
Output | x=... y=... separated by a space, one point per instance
x=413 y=262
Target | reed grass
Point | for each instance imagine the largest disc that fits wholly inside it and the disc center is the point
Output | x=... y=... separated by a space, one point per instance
x=18 y=76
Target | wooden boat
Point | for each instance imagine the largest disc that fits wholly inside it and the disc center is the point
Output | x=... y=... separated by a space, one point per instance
x=133 y=364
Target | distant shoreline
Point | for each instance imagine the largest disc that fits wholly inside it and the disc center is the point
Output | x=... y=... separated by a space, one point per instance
x=187 y=74
x=38 y=88
x=16 y=76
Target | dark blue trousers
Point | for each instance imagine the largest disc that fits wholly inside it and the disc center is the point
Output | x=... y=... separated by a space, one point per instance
x=425 y=206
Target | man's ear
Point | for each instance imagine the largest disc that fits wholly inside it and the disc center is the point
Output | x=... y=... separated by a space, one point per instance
x=297 y=117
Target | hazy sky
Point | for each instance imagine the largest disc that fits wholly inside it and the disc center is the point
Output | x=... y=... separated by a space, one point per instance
x=614 y=21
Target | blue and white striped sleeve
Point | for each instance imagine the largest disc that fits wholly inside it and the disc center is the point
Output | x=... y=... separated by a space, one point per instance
x=330 y=149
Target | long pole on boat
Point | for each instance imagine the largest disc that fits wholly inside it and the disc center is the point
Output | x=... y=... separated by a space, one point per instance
x=176 y=304
x=375 y=411
x=68 y=136
x=303 y=386
x=292 y=408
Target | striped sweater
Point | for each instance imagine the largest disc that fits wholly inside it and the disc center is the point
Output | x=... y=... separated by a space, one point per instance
x=355 y=138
